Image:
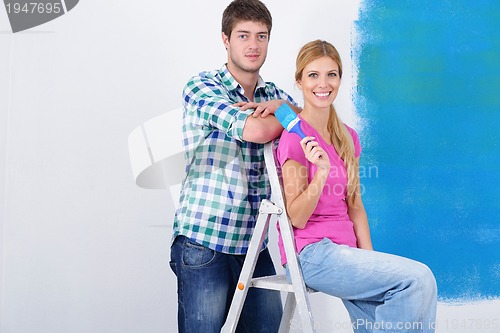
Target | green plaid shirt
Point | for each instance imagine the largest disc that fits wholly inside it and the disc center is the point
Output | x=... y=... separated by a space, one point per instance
x=225 y=176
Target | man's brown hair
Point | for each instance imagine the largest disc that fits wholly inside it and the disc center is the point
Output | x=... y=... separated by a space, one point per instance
x=245 y=10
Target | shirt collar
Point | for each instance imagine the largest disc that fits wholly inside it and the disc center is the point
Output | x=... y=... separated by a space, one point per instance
x=231 y=83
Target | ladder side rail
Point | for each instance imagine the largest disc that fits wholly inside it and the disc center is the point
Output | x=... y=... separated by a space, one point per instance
x=298 y=283
x=247 y=271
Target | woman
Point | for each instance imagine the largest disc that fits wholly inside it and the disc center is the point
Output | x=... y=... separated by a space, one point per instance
x=382 y=292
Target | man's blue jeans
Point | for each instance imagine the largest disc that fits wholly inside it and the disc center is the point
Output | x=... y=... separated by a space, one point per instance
x=206 y=281
x=382 y=292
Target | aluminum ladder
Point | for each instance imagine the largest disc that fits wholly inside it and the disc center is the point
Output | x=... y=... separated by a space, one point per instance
x=297 y=292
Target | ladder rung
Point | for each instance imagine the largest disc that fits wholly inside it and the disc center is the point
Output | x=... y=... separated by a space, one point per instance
x=274 y=282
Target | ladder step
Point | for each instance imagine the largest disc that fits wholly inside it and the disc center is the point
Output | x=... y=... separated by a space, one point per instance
x=274 y=282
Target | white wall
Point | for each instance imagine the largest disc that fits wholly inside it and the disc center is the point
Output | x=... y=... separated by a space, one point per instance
x=83 y=249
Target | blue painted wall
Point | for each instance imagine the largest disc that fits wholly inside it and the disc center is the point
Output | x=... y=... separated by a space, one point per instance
x=429 y=98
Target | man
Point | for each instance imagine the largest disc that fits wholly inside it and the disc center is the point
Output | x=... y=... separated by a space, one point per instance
x=227 y=118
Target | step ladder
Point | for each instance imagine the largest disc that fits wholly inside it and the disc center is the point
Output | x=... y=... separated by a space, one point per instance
x=297 y=292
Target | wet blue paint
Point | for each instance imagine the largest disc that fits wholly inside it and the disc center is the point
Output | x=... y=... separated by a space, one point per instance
x=428 y=96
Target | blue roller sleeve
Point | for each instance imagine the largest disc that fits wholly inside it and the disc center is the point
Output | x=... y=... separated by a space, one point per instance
x=289 y=120
x=297 y=130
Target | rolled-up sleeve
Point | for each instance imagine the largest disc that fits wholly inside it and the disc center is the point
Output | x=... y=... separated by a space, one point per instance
x=213 y=107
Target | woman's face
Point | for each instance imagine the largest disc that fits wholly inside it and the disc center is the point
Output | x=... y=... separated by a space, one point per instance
x=320 y=82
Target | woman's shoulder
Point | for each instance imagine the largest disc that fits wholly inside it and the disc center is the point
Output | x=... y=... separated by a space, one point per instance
x=288 y=140
x=355 y=140
x=351 y=130
x=289 y=148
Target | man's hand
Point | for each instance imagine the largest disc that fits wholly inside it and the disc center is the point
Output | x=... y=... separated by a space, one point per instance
x=262 y=109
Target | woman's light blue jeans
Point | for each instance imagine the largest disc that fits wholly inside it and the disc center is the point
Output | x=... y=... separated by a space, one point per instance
x=382 y=292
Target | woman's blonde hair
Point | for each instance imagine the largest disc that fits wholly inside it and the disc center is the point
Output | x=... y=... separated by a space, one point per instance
x=340 y=136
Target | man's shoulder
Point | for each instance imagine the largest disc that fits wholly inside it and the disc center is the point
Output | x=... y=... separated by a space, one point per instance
x=271 y=84
x=204 y=82
x=271 y=89
x=212 y=76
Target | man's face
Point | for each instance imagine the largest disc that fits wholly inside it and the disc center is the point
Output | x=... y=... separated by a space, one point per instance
x=247 y=47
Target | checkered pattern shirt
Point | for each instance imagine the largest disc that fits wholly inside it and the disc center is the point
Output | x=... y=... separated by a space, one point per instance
x=225 y=176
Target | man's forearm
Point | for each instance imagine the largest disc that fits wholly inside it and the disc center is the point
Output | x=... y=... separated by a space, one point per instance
x=262 y=129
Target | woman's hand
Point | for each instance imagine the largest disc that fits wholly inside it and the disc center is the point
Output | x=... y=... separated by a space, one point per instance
x=314 y=153
x=262 y=109
x=302 y=196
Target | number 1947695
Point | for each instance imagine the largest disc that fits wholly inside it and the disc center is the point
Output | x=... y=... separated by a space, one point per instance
x=34 y=8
